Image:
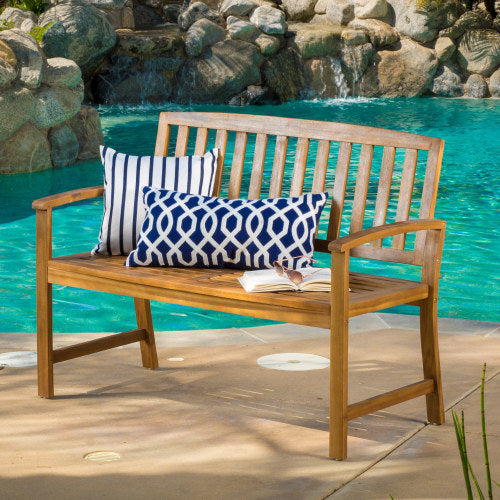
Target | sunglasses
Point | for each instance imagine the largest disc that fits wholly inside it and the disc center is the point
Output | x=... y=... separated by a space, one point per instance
x=294 y=276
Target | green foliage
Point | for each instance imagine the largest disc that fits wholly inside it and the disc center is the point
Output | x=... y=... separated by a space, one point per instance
x=6 y=25
x=36 y=6
x=459 y=425
x=38 y=31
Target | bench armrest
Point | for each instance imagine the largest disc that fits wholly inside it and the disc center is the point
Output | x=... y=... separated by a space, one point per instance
x=57 y=200
x=379 y=232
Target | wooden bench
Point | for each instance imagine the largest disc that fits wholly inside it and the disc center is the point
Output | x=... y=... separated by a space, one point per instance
x=356 y=152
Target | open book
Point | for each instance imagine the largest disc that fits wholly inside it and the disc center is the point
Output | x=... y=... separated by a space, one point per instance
x=267 y=280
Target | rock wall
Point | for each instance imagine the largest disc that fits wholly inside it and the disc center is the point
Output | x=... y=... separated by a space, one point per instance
x=42 y=120
x=251 y=51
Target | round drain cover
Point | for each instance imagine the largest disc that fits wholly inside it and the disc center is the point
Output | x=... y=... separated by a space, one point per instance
x=18 y=359
x=102 y=456
x=175 y=359
x=293 y=361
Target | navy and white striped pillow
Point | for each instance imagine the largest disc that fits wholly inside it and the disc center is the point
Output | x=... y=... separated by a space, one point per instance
x=125 y=175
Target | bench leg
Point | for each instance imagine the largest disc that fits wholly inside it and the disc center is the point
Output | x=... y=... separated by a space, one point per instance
x=44 y=340
x=430 y=360
x=145 y=322
x=339 y=357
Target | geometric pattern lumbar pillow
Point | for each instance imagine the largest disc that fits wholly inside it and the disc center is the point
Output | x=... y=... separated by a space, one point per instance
x=200 y=231
x=125 y=175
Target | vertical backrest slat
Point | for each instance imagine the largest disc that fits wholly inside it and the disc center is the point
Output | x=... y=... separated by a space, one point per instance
x=220 y=144
x=405 y=194
x=278 y=166
x=318 y=184
x=163 y=136
x=384 y=189
x=240 y=147
x=259 y=159
x=299 y=167
x=361 y=189
x=343 y=161
x=200 y=147
x=429 y=192
x=182 y=141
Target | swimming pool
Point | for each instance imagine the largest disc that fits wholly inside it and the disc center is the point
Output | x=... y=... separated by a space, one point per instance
x=468 y=200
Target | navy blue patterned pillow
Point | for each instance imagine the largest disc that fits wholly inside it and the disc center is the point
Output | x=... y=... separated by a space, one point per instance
x=200 y=231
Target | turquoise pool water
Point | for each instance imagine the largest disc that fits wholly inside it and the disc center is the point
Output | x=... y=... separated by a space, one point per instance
x=468 y=200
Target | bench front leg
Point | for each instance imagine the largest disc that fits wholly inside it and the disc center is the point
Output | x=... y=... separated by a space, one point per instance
x=339 y=330
x=45 y=358
x=145 y=322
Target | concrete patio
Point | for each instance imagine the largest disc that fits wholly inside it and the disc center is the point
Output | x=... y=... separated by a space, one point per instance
x=216 y=425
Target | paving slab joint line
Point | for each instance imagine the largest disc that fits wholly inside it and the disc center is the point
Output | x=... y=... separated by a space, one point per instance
x=407 y=437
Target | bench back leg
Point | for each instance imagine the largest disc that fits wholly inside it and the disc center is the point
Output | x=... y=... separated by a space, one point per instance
x=145 y=322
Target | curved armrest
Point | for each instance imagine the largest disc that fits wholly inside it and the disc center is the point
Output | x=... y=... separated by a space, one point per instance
x=379 y=232
x=57 y=200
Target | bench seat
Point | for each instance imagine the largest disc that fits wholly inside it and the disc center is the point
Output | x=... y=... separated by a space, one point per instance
x=202 y=287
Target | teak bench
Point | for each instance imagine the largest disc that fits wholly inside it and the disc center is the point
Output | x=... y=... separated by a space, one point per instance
x=352 y=148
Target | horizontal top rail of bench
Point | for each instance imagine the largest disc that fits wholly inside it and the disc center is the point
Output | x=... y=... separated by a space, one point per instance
x=294 y=127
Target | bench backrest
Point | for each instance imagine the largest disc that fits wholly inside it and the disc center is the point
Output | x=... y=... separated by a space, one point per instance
x=353 y=163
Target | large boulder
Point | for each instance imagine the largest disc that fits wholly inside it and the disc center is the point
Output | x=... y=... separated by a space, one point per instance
x=55 y=105
x=269 y=20
x=479 y=51
x=476 y=87
x=495 y=84
x=60 y=72
x=370 y=9
x=313 y=41
x=25 y=151
x=223 y=71
x=54 y=41
x=90 y=34
x=320 y=7
x=7 y=73
x=339 y=12
x=63 y=145
x=404 y=72
x=447 y=82
x=352 y=36
x=237 y=7
x=198 y=10
x=381 y=34
x=86 y=125
x=239 y=29
x=150 y=43
x=475 y=19
x=28 y=55
x=298 y=10
x=16 y=108
x=284 y=74
x=423 y=24
x=17 y=16
x=444 y=48
x=202 y=34
x=7 y=54
x=355 y=60
x=268 y=45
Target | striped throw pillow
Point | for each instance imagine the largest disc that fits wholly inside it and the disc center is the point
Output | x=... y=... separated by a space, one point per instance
x=125 y=175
